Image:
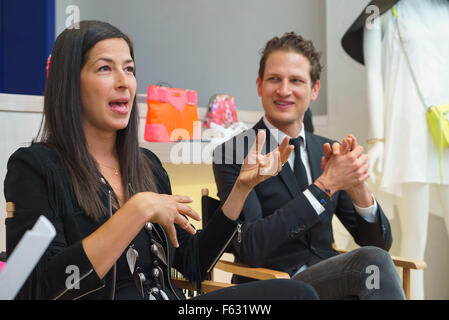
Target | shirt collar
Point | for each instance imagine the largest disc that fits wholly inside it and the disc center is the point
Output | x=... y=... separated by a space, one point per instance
x=281 y=135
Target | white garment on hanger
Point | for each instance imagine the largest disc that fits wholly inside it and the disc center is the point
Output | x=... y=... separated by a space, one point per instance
x=410 y=153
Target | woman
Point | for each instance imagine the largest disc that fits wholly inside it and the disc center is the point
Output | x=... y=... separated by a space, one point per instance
x=109 y=200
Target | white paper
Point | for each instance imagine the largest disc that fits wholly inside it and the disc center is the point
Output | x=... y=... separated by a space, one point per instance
x=25 y=257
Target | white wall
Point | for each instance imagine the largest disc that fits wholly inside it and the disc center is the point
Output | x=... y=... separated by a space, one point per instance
x=348 y=113
x=207 y=45
x=17 y=129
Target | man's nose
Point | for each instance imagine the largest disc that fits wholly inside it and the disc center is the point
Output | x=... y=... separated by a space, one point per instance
x=284 y=88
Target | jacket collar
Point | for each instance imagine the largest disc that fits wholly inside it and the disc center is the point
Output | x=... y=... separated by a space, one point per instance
x=315 y=152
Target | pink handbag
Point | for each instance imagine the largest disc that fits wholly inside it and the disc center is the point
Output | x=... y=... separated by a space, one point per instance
x=221 y=110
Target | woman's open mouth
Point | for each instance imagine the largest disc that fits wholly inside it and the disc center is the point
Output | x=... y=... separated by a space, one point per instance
x=120 y=106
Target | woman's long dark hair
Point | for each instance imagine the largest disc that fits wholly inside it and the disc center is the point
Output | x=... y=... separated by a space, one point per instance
x=62 y=128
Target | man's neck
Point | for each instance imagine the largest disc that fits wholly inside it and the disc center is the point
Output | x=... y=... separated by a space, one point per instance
x=291 y=129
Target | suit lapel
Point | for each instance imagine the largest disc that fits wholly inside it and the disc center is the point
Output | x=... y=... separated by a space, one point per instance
x=289 y=179
x=314 y=152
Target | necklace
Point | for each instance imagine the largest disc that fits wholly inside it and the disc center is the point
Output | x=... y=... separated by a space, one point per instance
x=113 y=168
x=149 y=284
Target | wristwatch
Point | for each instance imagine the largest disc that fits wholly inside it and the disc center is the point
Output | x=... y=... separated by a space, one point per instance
x=319 y=194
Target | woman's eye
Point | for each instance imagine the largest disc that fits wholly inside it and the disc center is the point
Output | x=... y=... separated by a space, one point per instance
x=130 y=69
x=104 y=68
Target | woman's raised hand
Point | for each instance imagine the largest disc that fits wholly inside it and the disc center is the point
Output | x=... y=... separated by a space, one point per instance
x=257 y=167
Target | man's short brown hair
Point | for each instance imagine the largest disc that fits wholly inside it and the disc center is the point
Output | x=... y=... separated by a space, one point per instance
x=291 y=41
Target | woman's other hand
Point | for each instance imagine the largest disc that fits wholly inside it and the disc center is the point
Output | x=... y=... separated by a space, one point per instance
x=166 y=210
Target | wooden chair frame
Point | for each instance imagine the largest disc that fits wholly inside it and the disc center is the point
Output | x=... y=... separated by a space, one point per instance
x=264 y=274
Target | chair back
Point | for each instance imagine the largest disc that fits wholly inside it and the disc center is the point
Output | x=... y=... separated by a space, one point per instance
x=209 y=206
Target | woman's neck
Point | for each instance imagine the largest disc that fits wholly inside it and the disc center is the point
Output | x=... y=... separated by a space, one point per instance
x=102 y=146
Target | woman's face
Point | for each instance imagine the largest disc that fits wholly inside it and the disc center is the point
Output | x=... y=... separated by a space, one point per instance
x=108 y=86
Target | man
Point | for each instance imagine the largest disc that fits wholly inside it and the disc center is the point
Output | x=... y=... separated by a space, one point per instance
x=286 y=220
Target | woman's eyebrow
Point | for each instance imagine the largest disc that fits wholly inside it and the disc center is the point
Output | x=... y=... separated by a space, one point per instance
x=112 y=61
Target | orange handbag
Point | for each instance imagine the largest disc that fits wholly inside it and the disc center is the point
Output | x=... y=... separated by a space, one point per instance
x=172 y=115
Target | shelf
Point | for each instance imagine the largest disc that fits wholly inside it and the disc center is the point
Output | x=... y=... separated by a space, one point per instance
x=187 y=152
x=34 y=104
x=176 y=152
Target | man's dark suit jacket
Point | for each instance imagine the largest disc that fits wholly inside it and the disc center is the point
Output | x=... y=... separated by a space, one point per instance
x=281 y=230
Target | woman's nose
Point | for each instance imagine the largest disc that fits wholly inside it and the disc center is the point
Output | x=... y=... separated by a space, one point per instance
x=121 y=80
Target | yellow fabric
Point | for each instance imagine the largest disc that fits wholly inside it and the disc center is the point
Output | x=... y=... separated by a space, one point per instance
x=438 y=121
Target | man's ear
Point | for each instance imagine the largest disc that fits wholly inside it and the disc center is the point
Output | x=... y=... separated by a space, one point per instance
x=315 y=90
x=259 y=86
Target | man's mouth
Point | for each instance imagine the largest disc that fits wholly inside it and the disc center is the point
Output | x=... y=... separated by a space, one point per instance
x=283 y=104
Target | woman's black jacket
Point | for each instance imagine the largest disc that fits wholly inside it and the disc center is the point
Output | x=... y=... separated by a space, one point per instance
x=38 y=184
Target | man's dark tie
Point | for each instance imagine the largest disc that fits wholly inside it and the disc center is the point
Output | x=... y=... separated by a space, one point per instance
x=298 y=167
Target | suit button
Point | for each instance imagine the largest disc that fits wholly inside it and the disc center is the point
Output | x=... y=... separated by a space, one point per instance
x=295 y=232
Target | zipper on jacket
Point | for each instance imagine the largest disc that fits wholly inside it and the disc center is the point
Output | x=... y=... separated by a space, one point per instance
x=114 y=268
x=239 y=235
x=91 y=291
x=91 y=270
x=239 y=230
x=79 y=280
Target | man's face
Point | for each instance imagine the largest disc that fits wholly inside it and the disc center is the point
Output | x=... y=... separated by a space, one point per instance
x=286 y=90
